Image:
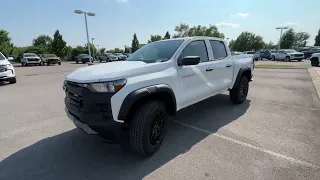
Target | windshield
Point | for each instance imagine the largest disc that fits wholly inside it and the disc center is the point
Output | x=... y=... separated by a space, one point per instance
x=156 y=51
x=30 y=55
x=291 y=51
x=2 y=57
x=274 y=51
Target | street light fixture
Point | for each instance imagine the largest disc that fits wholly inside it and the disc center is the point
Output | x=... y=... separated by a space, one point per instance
x=85 y=19
x=281 y=28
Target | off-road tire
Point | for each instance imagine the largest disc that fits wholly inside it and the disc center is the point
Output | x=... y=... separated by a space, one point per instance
x=235 y=92
x=13 y=80
x=139 y=135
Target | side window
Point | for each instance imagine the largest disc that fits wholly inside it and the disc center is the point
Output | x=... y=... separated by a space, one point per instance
x=218 y=49
x=196 y=48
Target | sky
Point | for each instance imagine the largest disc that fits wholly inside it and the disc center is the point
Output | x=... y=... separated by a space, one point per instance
x=117 y=20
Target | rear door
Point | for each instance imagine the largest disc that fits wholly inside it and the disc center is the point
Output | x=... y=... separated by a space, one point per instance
x=195 y=84
x=223 y=66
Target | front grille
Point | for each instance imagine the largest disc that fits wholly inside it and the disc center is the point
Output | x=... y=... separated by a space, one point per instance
x=105 y=110
x=298 y=55
x=33 y=59
x=3 y=68
x=75 y=100
x=86 y=59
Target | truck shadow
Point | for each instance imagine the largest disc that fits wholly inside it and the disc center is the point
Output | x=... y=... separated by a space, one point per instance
x=74 y=155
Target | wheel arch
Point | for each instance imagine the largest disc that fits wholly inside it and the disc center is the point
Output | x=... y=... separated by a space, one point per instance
x=132 y=101
x=244 y=71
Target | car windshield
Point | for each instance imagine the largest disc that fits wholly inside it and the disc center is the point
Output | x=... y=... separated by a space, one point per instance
x=30 y=55
x=291 y=51
x=274 y=51
x=314 y=50
x=156 y=51
x=2 y=57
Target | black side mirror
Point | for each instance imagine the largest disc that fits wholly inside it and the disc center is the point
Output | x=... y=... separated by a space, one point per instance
x=190 y=60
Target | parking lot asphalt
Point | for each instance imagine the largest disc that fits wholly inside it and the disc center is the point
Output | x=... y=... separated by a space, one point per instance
x=275 y=134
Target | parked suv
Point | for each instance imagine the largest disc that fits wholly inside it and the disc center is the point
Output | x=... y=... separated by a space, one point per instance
x=7 y=72
x=289 y=54
x=108 y=57
x=84 y=58
x=134 y=98
x=30 y=58
x=265 y=54
x=50 y=59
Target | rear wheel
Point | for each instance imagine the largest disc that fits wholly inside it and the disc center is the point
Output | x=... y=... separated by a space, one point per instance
x=273 y=58
x=148 y=128
x=59 y=63
x=239 y=93
x=77 y=62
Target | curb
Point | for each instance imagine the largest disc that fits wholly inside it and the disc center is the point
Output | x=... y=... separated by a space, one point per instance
x=315 y=80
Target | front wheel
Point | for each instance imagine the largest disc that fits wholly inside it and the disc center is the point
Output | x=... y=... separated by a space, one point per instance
x=148 y=128
x=287 y=58
x=13 y=80
x=59 y=63
x=77 y=62
x=239 y=93
x=273 y=58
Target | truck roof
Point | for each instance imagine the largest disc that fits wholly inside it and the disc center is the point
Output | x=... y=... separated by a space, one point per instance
x=194 y=37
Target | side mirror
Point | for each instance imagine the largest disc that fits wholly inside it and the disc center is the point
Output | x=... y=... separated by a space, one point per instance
x=190 y=60
x=10 y=58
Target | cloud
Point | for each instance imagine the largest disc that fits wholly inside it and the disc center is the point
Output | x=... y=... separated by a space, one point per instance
x=242 y=15
x=122 y=1
x=291 y=24
x=228 y=25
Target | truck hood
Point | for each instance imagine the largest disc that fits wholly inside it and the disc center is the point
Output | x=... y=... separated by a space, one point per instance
x=113 y=71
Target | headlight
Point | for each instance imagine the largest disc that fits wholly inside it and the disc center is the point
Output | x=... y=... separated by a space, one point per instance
x=9 y=66
x=113 y=86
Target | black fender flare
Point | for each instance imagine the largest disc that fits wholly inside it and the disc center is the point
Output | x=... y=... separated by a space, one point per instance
x=141 y=93
x=241 y=71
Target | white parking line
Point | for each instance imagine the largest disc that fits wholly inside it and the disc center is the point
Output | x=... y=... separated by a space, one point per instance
x=250 y=146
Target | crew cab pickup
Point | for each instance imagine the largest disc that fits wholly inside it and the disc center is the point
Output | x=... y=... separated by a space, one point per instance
x=130 y=101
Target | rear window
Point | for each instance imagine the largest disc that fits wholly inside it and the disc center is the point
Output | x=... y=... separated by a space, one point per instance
x=218 y=49
x=250 y=52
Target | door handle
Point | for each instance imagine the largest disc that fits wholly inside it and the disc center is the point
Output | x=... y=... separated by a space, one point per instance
x=209 y=69
x=228 y=65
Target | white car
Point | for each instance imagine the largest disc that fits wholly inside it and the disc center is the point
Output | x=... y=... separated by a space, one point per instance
x=288 y=55
x=133 y=98
x=30 y=58
x=7 y=72
x=273 y=54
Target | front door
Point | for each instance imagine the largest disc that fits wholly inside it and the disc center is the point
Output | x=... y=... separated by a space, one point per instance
x=195 y=83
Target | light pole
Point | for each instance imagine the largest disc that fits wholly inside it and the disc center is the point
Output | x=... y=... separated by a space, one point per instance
x=281 y=28
x=85 y=19
x=92 y=47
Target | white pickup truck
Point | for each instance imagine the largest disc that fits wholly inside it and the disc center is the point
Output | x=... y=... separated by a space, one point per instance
x=134 y=98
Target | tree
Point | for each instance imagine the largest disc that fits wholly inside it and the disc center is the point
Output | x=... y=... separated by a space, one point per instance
x=183 y=30
x=231 y=43
x=154 y=38
x=288 y=39
x=118 y=50
x=270 y=45
x=135 y=43
x=42 y=40
x=6 y=47
x=300 y=39
x=58 y=44
x=317 y=39
x=79 y=50
x=167 y=35
x=248 y=41
x=102 y=50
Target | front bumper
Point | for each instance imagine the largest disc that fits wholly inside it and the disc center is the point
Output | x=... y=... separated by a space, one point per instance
x=92 y=112
x=7 y=74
